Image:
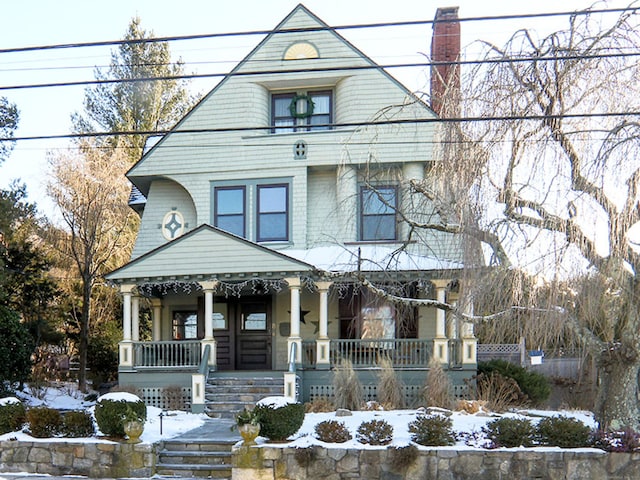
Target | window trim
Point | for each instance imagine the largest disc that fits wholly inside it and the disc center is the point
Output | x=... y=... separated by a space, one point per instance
x=216 y=215
x=182 y=326
x=300 y=124
x=362 y=215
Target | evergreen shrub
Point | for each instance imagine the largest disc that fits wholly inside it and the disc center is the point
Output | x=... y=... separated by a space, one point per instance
x=113 y=409
x=432 y=430
x=375 y=432
x=533 y=384
x=564 y=432
x=44 y=422
x=12 y=415
x=510 y=432
x=279 y=421
x=332 y=431
x=78 y=424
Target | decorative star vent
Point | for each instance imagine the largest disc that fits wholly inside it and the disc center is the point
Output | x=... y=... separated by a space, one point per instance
x=173 y=225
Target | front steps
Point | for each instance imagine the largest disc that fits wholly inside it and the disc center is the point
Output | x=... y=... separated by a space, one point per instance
x=197 y=458
x=225 y=396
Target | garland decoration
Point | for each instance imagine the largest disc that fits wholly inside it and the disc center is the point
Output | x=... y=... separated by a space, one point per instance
x=293 y=106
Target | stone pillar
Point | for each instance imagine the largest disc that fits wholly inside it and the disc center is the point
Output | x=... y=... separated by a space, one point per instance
x=125 y=347
x=441 y=342
x=209 y=288
x=323 y=343
x=294 y=332
x=156 y=319
x=197 y=393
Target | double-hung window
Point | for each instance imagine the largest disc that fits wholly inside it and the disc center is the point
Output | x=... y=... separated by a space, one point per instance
x=273 y=213
x=295 y=111
x=230 y=209
x=378 y=207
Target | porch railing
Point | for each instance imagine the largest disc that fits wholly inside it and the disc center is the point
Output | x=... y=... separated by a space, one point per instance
x=403 y=352
x=167 y=354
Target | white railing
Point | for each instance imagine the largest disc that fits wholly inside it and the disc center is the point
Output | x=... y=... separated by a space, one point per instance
x=403 y=352
x=167 y=354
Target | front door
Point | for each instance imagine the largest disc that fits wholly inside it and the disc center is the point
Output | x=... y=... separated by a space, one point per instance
x=253 y=334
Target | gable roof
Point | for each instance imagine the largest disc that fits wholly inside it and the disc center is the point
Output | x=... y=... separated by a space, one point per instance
x=208 y=252
x=315 y=25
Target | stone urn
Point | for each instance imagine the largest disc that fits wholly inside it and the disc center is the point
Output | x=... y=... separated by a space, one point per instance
x=249 y=432
x=133 y=430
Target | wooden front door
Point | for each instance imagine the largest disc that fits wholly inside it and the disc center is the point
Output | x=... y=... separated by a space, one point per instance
x=253 y=334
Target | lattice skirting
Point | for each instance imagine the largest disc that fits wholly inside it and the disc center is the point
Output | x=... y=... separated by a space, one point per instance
x=412 y=393
x=167 y=398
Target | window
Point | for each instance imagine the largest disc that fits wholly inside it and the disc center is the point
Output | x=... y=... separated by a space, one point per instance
x=185 y=325
x=273 y=216
x=378 y=213
x=230 y=210
x=314 y=109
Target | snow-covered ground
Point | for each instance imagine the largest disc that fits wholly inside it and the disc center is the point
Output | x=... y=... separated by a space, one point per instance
x=176 y=422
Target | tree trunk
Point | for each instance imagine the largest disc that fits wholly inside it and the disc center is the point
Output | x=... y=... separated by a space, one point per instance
x=617 y=403
x=84 y=337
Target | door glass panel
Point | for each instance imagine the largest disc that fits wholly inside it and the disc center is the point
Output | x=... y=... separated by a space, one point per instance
x=255 y=321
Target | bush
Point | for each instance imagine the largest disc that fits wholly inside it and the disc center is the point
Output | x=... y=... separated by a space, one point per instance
x=565 y=432
x=279 y=421
x=331 y=431
x=375 y=432
x=510 y=432
x=390 y=388
x=77 y=424
x=625 y=441
x=499 y=392
x=44 y=422
x=432 y=430
x=319 y=405
x=113 y=409
x=347 y=390
x=12 y=415
x=533 y=384
x=437 y=391
x=16 y=347
x=402 y=458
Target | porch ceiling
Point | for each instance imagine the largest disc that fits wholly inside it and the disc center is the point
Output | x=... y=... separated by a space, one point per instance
x=207 y=253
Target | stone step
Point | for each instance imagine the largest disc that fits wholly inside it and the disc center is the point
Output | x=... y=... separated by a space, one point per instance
x=241 y=381
x=220 y=389
x=244 y=397
x=198 y=446
x=194 y=458
x=181 y=470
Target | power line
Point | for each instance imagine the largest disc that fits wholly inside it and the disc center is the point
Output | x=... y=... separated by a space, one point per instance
x=310 y=29
x=321 y=70
x=269 y=128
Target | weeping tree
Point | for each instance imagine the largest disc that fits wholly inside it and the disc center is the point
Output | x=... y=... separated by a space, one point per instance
x=545 y=172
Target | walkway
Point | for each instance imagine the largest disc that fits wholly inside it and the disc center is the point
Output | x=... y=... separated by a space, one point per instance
x=212 y=429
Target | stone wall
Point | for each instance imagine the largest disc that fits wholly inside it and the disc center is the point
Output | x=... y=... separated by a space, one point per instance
x=93 y=460
x=257 y=463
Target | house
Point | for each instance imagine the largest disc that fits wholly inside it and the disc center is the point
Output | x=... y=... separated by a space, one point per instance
x=265 y=209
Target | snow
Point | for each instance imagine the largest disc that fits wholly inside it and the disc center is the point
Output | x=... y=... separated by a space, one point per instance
x=369 y=258
x=119 y=397
x=8 y=401
x=275 y=402
x=174 y=423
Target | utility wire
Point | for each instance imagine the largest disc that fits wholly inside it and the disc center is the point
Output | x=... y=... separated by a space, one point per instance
x=321 y=70
x=270 y=128
x=310 y=29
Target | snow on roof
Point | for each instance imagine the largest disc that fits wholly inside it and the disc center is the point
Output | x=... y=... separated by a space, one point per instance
x=136 y=197
x=343 y=258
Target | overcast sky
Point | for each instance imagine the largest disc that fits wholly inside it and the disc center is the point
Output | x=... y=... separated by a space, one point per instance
x=46 y=111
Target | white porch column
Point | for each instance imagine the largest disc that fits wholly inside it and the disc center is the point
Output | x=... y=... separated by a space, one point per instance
x=156 y=319
x=209 y=287
x=135 y=318
x=469 y=340
x=294 y=332
x=322 y=342
x=125 y=347
x=441 y=343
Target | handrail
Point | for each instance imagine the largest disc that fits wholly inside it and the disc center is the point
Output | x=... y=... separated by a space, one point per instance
x=204 y=362
x=292 y=357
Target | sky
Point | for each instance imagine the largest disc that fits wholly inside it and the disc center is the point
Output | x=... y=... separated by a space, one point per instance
x=47 y=111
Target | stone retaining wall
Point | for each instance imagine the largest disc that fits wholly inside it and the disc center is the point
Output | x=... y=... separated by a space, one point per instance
x=93 y=460
x=258 y=463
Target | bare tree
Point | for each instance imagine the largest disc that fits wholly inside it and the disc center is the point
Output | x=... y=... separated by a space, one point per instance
x=91 y=192
x=553 y=186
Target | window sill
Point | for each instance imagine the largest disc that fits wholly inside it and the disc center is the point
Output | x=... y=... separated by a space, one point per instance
x=289 y=134
x=380 y=242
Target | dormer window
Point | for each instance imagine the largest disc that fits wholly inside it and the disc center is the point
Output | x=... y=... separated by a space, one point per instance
x=301 y=111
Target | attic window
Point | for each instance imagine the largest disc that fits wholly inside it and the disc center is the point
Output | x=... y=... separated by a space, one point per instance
x=301 y=111
x=301 y=51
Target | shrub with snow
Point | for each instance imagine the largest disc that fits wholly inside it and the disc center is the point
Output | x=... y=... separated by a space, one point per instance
x=113 y=409
x=279 y=417
x=12 y=415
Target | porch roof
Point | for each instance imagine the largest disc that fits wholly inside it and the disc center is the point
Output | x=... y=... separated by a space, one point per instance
x=207 y=253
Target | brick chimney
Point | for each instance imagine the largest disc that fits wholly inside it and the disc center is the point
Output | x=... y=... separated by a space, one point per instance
x=445 y=48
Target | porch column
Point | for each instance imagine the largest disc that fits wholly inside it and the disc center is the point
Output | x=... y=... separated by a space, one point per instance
x=441 y=343
x=294 y=332
x=135 y=318
x=469 y=340
x=125 y=347
x=209 y=287
x=323 y=343
x=156 y=319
